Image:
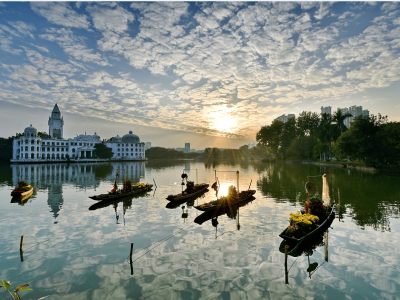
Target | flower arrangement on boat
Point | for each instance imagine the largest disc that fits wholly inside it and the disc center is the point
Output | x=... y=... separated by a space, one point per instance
x=23 y=186
x=232 y=197
x=309 y=218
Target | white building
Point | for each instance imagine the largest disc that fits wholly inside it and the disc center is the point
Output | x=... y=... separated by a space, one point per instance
x=326 y=110
x=355 y=111
x=284 y=118
x=30 y=147
x=128 y=147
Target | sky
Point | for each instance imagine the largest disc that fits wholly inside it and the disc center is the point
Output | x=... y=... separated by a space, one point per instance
x=207 y=73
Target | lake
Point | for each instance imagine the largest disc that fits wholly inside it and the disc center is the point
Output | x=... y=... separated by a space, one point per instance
x=71 y=252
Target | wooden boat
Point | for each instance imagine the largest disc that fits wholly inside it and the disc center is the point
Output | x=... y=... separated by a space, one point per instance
x=189 y=201
x=22 y=191
x=197 y=191
x=321 y=228
x=226 y=202
x=215 y=213
x=120 y=194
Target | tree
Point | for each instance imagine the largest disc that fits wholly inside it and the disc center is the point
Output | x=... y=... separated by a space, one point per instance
x=325 y=130
x=338 y=127
x=102 y=151
x=307 y=123
x=368 y=140
x=302 y=147
x=270 y=136
x=288 y=135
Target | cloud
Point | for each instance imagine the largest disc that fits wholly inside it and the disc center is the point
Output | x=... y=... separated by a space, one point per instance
x=73 y=45
x=60 y=13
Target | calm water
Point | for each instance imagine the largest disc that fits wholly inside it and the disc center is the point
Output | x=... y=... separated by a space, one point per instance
x=72 y=252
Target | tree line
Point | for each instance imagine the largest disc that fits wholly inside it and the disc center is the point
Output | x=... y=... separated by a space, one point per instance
x=312 y=136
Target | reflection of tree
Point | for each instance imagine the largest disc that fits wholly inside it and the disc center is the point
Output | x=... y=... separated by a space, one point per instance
x=163 y=164
x=101 y=171
x=369 y=198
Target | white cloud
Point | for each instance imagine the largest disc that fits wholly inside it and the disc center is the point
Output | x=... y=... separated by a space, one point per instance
x=60 y=13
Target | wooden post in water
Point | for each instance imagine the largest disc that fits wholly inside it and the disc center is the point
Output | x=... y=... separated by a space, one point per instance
x=286 y=270
x=339 y=196
x=21 y=243
x=130 y=259
x=237 y=173
x=326 y=242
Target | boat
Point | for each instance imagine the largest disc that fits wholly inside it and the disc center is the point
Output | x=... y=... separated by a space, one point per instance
x=316 y=218
x=190 y=191
x=111 y=196
x=22 y=191
x=230 y=210
x=228 y=201
x=320 y=229
x=127 y=190
x=189 y=201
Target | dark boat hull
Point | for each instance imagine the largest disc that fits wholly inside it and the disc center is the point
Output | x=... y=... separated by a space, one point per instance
x=244 y=198
x=111 y=197
x=189 y=201
x=321 y=228
x=188 y=196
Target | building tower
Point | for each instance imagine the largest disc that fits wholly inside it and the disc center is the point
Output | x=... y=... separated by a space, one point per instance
x=56 y=123
x=187 y=148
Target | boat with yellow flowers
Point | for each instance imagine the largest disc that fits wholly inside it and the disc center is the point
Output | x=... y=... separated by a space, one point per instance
x=190 y=191
x=22 y=191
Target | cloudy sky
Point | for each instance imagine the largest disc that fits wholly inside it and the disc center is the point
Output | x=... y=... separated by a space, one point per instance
x=208 y=73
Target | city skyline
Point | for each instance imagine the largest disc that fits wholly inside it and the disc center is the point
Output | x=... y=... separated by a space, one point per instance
x=208 y=74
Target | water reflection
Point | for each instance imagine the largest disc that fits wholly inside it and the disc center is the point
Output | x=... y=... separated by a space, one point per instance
x=54 y=177
x=369 y=199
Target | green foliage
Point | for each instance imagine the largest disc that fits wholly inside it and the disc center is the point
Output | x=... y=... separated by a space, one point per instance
x=270 y=136
x=163 y=153
x=7 y=285
x=372 y=140
x=44 y=135
x=102 y=151
x=302 y=147
x=307 y=124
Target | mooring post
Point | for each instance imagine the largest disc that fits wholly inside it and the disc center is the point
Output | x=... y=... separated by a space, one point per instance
x=21 y=243
x=339 y=195
x=21 y=254
x=286 y=270
x=155 y=183
x=130 y=259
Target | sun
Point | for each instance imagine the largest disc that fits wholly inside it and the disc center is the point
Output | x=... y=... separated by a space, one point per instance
x=223 y=122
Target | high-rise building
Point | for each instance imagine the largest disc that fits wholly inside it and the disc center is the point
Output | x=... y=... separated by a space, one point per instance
x=187 y=148
x=355 y=111
x=326 y=110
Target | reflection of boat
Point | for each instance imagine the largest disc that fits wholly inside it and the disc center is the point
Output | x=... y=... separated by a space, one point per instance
x=306 y=249
x=126 y=200
x=231 y=210
x=225 y=202
x=321 y=228
x=188 y=200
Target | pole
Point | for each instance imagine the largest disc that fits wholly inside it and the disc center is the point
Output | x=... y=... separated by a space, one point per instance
x=237 y=173
x=21 y=243
x=155 y=183
x=130 y=259
x=286 y=270
x=215 y=175
x=197 y=178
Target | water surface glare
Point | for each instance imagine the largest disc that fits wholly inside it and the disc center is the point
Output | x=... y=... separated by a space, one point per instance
x=71 y=252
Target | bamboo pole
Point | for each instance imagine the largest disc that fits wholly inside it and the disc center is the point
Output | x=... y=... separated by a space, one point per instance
x=130 y=259
x=286 y=270
x=21 y=243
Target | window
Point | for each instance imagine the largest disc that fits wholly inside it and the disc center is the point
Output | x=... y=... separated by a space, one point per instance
x=131 y=145
x=38 y=142
x=22 y=148
x=62 y=156
x=118 y=146
x=80 y=144
x=58 y=149
x=66 y=149
x=37 y=149
x=32 y=142
x=118 y=154
x=43 y=156
x=58 y=155
x=53 y=149
x=62 y=149
x=73 y=150
x=48 y=155
x=32 y=148
x=131 y=149
x=48 y=148
x=58 y=143
x=118 y=150
x=127 y=149
x=62 y=144
x=53 y=156
x=19 y=143
x=52 y=143
x=32 y=155
x=26 y=155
